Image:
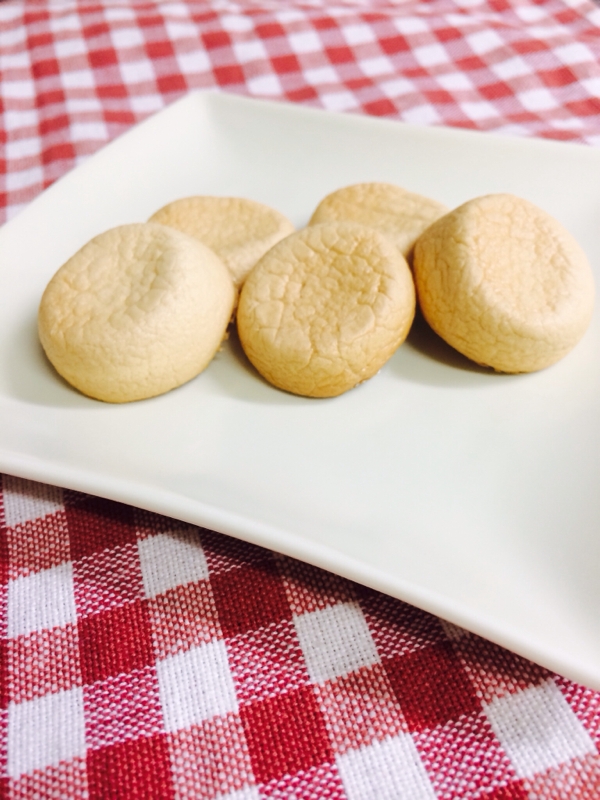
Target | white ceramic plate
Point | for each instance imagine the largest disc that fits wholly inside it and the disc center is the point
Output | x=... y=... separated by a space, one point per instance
x=472 y=495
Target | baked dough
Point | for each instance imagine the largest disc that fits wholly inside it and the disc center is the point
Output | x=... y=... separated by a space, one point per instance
x=504 y=283
x=136 y=312
x=325 y=308
x=240 y=231
x=401 y=215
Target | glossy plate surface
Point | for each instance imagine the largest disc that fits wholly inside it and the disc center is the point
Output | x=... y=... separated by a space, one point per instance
x=472 y=495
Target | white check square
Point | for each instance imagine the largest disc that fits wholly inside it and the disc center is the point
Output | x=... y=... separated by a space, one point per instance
x=66 y=48
x=480 y=110
x=421 y=115
x=137 y=71
x=335 y=641
x=77 y=79
x=41 y=601
x=194 y=62
x=411 y=24
x=126 y=38
x=89 y=132
x=249 y=793
x=305 y=42
x=592 y=85
x=181 y=30
x=23 y=148
x=455 y=81
x=17 y=118
x=397 y=86
x=18 y=90
x=431 y=55
x=45 y=731
x=574 y=53
x=236 y=23
x=195 y=686
x=265 y=85
x=171 y=559
x=381 y=65
x=246 y=52
x=538 y=99
x=146 y=103
x=514 y=67
x=485 y=41
x=538 y=729
x=387 y=770
x=26 y=500
x=358 y=34
x=320 y=75
x=338 y=101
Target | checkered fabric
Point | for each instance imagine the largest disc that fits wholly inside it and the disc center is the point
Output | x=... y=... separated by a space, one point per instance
x=146 y=658
x=74 y=74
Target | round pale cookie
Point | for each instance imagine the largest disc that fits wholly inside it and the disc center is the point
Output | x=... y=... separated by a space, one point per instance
x=504 y=283
x=240 y=231
x=401 y=215
x=136 y=312
x=325 y=308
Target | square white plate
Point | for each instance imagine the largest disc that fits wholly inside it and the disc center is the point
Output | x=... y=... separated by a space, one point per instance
x=472 y=495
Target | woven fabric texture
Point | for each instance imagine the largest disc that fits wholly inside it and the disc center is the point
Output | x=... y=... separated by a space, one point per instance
x=73 y=75
x=144 y=658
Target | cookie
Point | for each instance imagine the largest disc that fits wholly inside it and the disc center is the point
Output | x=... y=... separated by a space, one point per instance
x=401 y=215
x=136 y=312
x=504 y=283
x=240 y=231
x=325 y=308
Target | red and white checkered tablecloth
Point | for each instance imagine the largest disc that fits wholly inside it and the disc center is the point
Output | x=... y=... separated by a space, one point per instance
x=144 y=658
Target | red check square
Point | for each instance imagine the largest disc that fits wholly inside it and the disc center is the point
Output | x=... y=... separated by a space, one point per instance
x=432 y=686
x=135 y=770
x=319 y=782
x=266 y=662
x=360 y=708
x=107 y=580
x=149 y=524
x=115 y=641
x=4 y=549
x=577 y=779
x=223 y=553
x=43 y=662
x=162 y=49
x=103 y=58
x=286 y=734
x=249 y=598
x=95 y=524
x=465 y=744
x=585 y=704
x=183 y=617
x=396 y=627
x=55 y=125
x=38 y=544
x=495 y=671
x=45 y=67
x=67 y=781
x=515 y=790
x=4 y=673
x=122 y=707
x=210 y=759
x=311 y=589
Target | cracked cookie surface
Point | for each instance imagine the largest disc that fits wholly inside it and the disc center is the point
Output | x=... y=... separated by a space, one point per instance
x=240 y=231
x=139 y=310
x=325 y=308
x=504 y=283
x=399 y=214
